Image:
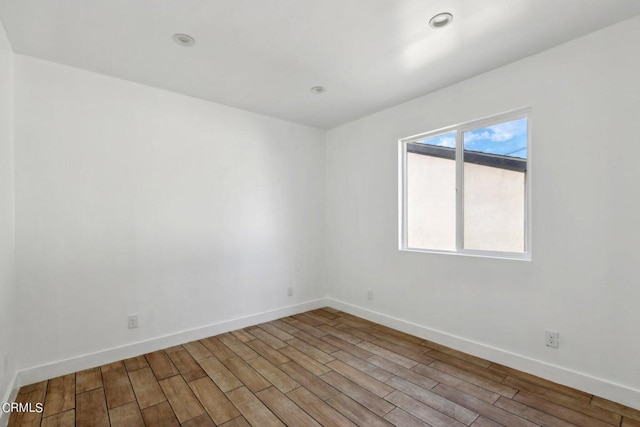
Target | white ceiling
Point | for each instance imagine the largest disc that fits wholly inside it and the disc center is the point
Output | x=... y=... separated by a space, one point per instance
x=265 y=55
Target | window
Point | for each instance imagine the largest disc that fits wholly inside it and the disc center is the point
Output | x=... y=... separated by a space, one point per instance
x=465 y=189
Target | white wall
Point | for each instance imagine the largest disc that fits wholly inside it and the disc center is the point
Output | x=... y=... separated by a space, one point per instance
x=7 y=260
x=131 y=199
x=583 y=280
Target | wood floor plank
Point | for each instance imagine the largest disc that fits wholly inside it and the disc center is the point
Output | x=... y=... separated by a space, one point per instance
x=558 y=411
x=403 y=351
x=531 y=414
x=385 y=331
x=61 y=395
x=224 y=378
x=219 y=350
x=345 y=346
x=186 y=364
x=285 y=409
x=316 y=342
x=356 y=412
x=564 y=400
x=467 y=366
x=146 y=388
x=275 y=331
x=373 y=385
x=323 y=320
x=273 y=374
x=320 y=388
x=576 y=394
x=243 y=335
x=311 y=351
x=501 y=389
x=325 y=313
x=32 y=387
x=421 y=411
x=344 y=336
x=238 y=347
x=402 y=372
x=161 y=365
x=246 y=374
x=214 y=401
x=303 y=326
x=197 y=350
x=267 y=352
x=360 y=394
x=91 y=409
x=182 y=400
x=629 y=422
x=433 y=400
x=236 y=422
x=481 y=407
x=320 y=411
x=30 y=394
x=450 y=380
x=401 y=342
x=389 y=355
x=267 y=338
x=308 y=320
x=88 y=380
x=251 y=408
x=160 y=415
x=117 y=386
x=203 y=420
x=127 y=415
x=455 y=353
x=134 y=363
x=284 y=326
x=616 y=407
x=485 y=422
x=305 y=361
x=63 y=419
x=356 y=332
x=364 y=366
x=399 y=417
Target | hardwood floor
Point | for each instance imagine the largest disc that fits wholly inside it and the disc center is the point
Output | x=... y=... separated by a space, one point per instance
x=323 y=367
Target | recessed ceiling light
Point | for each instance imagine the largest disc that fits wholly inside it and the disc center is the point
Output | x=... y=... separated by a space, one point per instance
x=184 y=39
x=318 y=90
x=441 y=20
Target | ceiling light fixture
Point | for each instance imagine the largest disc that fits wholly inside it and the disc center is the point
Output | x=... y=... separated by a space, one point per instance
x=441 y=20
x=184 y=39
x=318 y=90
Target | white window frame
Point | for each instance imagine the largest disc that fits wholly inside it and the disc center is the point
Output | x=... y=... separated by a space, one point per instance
x=459 y=130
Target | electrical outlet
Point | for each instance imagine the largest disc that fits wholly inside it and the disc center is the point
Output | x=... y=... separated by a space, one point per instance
x=552 y=339
x=290 y=291
x=369 y=295
x=133 y=321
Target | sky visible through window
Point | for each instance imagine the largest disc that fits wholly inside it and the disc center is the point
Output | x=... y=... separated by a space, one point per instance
x=504 y=139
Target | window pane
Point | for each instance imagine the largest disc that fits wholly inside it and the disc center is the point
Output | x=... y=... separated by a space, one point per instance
x=494 y=187
x=431 y=193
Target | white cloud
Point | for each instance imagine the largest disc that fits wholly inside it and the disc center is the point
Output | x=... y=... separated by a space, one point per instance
x=447 y=141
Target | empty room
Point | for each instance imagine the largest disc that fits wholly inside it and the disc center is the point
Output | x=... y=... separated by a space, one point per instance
x=319 y=212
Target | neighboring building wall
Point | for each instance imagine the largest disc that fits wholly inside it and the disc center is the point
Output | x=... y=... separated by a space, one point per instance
x=583 y=279
x=494 y=208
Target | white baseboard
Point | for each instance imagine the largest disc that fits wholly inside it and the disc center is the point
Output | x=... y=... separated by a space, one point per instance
x=86 y=361
x=597 y=386
x=9 y=396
